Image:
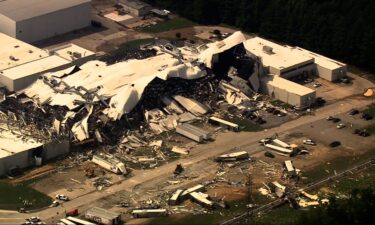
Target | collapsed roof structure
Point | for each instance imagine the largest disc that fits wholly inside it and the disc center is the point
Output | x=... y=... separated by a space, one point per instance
x=104 y=100
x=117 y=88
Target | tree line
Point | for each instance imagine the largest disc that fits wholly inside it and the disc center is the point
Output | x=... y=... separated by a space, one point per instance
x=341 y=29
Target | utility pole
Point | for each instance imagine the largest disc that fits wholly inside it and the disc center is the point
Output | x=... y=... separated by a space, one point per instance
x=250 y=200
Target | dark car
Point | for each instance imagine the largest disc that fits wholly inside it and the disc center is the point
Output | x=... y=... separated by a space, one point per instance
x=366 y=116
x=270 y=110
x=330 y=118
x=353 y=112
x=269 y=155
x=319 y=101
x=276 y=111
x=364 y=133
x=259 y=120
x=356 y=131
x=336 y=120
x=335 y=144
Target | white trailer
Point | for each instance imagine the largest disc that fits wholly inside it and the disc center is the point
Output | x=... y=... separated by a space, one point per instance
x=67 y=222
x=233 y=156
x=103 y=216
x=189 y=133
x=196 y=188
x=290 y=168
x=202 y=199
x=174 y=199
x=79 y=221
x=206 y=135
x=279 y=149
x=145 y=213
x=110 y=163
x=226 y=124
x=281 y=143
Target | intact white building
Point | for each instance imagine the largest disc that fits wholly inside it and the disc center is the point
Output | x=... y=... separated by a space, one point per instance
x=288 y=62
x=21 y=63
x=287 y=91
x=326 y=68
x=35 y=20
x=280 y=60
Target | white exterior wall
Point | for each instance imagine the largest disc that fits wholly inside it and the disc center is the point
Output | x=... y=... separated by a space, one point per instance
x=309 y=69
x=7 y=26
x=288 y=97
x=20 y=159
x=8 y=83
x=52 y=24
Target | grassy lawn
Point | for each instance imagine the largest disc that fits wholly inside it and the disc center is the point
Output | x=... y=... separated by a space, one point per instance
x=11 y=197
x=235 y=208
x=278 y=103
x=371 y=129
x=168 y=25
x=371 y=110
x=245 y=124
x=287 y=215
x=135 y=44
x=338 y=165
x=365 y=179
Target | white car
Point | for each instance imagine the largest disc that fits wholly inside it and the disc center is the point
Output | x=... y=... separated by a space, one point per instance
x=62 y=197
x=317 y=84
x=309 y=142
x=340 y=126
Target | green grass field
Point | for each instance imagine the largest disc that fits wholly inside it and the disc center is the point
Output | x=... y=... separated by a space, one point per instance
x=287 y=215
x=245 y=124
x=371 y=110
x=338 y=165
x=217 y=216
x=12 y=196
x=135 y=44
x=168 y=25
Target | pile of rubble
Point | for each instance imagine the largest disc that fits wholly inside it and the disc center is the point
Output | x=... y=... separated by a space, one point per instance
x=119 y=103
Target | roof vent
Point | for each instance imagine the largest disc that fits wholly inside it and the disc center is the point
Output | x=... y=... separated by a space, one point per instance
x=268 y=50
x=13 y=58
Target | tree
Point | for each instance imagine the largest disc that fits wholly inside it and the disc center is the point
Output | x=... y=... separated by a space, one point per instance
x=344 y=30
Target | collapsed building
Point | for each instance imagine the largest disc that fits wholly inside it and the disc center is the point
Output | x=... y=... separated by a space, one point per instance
x=126 y=102
x=19 y=150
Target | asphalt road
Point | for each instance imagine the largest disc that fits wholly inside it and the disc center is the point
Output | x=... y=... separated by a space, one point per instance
x=223 y=143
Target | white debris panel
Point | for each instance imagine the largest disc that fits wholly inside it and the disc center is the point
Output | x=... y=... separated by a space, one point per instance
x=215 y=48
x=113 y=82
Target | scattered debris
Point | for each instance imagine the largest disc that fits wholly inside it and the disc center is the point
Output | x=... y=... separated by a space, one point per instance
x=180 y=150
x=110 y=163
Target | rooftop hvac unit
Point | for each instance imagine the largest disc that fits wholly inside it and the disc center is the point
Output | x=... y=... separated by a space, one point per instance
x=77 y=55
x=268 y=50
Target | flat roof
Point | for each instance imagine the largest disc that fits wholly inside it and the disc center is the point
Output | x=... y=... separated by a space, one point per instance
x=19 y=10
x=319 y=59
x=66 y=52
x=281 y=57
x=136 y=4
x=285 y=84
x=11 y=144
x=21 y=51
x=103 y=213
x=34 y=67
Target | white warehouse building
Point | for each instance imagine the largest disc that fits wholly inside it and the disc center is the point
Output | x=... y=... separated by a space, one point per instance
x=287 y=91
x=35 y=20
x=290 y=62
